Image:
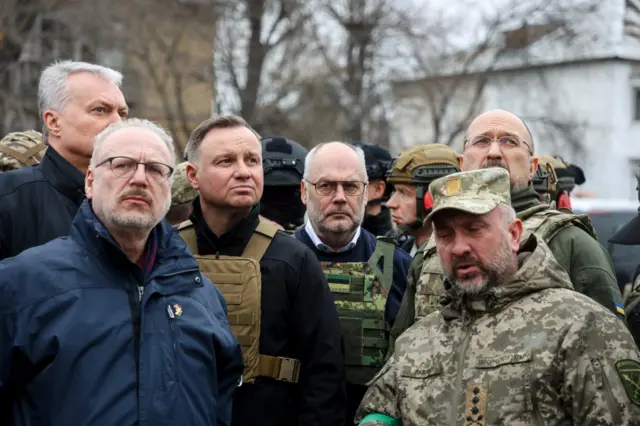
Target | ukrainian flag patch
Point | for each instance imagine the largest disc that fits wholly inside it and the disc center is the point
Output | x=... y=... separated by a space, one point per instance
x=620 y=308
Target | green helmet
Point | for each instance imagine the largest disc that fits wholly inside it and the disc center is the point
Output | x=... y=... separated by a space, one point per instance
x=420 y=166
x=21 y=149
x=181 y=191
x=423 y=164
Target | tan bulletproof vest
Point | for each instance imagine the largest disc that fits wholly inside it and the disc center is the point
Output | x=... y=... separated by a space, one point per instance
x=240 y=282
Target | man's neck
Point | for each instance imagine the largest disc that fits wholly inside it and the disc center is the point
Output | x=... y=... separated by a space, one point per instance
x=220 y=221
x=78 y=161
x=422 y=235
x=132 y=243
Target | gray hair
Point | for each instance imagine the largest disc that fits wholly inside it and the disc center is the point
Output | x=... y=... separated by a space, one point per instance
x=507 y=213
x=139 y=123
x=308 y=161
x=53 y=91
x=192 y=149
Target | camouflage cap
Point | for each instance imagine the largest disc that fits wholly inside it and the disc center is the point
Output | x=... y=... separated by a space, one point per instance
x=20 y=149
x=476 y=192
x=423 y=163
x=181 y=191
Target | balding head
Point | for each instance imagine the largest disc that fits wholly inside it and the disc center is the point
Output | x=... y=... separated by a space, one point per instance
x=499 y=138
x=334 y=191
x=330 y=152
x=501 y=119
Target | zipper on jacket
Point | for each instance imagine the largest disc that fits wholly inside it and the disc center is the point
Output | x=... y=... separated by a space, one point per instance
x=461 y=358
x=135 y=298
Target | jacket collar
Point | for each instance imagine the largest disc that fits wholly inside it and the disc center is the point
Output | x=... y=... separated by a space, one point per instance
x=537 y=270
x=68 y=180
x=233 y=242
x=525 y=199
x=172 y=257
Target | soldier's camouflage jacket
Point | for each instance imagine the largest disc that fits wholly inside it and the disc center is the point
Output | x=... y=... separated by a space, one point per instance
x=530 y=352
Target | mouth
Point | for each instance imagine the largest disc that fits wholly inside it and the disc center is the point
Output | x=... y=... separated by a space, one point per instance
x=137 y=200
x=243 y=188
x=466 y=268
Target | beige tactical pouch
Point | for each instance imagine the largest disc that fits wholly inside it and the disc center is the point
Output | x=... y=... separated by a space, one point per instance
x=239 y=281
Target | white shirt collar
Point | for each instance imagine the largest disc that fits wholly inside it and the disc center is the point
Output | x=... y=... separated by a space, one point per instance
x=325 y=248
x=414 y=249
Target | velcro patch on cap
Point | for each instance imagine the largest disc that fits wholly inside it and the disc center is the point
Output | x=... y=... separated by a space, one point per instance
x=629 y=372
x=453 y=186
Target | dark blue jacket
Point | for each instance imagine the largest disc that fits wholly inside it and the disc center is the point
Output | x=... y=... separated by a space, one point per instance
x=38 y=203
x=79 y=347
x=362 y=251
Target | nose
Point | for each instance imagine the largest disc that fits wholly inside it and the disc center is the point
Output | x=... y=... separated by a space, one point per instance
x=393 y=201
x=339 y=196
x=139 y=176
x=460 y=247
x=494 y=151
x=242 y=171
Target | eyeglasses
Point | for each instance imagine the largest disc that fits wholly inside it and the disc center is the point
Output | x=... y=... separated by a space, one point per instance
x=327 y=188
x=124 y=167
x=505 y=142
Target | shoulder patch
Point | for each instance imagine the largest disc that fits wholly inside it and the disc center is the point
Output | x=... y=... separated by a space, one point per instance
x=629 y=372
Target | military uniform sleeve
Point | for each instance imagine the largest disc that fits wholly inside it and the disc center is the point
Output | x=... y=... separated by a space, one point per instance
x=601 y=368
x=322 y=397
x=379 y=407
x=407 y=311
x=589 y=267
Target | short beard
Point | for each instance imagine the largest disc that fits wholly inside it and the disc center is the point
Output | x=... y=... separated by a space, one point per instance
x=517 y=185
x=334 y=235
x=498 y=273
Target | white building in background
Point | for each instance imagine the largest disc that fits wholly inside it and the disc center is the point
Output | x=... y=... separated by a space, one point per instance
x=581 y=99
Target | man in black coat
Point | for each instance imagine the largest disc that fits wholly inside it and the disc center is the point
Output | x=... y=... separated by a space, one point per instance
x=77 y=101
x=300 y=378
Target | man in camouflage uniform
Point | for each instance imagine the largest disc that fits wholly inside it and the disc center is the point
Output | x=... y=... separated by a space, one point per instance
x=182 y=196
x=21 y=149
x=501 y=139
x=411 y=173
x=512 y=344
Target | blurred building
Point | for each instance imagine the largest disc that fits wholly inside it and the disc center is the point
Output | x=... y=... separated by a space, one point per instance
x=574 y=79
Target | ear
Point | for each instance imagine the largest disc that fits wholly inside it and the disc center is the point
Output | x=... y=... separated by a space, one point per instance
x=303 y=191
x=515 y=230
x=192 y=176
x=89 y=180
x=52 y=121
x=534 y=166
x=378 y=188
x=461 y=158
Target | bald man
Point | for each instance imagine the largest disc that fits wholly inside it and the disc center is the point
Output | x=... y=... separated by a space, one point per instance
x=501 y=139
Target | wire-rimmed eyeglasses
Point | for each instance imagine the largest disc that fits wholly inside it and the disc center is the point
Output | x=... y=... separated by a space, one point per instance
x=327 y=188
x=124 y=167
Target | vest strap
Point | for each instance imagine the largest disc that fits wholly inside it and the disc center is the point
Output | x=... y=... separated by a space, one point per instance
x=279 y=368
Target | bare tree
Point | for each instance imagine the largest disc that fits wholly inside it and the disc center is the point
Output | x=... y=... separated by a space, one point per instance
x=455 y=78
x=257 y=48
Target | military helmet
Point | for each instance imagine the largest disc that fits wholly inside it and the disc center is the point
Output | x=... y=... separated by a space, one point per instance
x=181 y=191
x=423 y=164
x=282 y=161
x=376 y=158
x=20 y=149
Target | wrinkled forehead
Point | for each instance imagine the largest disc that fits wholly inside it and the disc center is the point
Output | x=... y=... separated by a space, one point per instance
x=497 y=125
x=338 y=163
x=136 y=143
